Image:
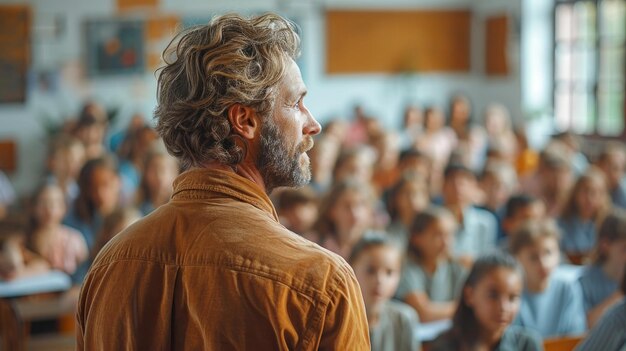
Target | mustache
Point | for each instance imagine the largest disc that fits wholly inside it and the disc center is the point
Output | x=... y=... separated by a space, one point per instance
x=306 y=145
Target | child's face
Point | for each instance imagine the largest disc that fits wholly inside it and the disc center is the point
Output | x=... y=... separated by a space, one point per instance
x=50 y=207
x=556 y=180
x=616 y=254
x=496 y=189
x=160 y=173
x=590 y=197
x=359 y=167
x=75 y=159
x=417 y=165
x=352 y=211
x=105 y=189
x=413 y=197
x=301 y=217
x=614 y=168
x=458 y=189
x=378 y=271
x=539 y=259
x=533 y=211
x=495 y=299
x=436 y=240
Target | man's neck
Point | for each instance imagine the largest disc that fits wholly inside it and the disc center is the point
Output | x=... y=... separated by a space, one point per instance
x=245 y=169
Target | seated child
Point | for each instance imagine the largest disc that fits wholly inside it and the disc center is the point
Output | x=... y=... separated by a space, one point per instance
x=599 y=281
x=610 y=332
x=406 y=198
x=519 y=209
x=159 y=171
x=489 y=303
x=477 y=229
x=551 y=305
x=15 y=260
x=376 y=262
x=297 y=209
x=346 y=213
x=63 y=247
x=612 y=161
x=112 y=225
x=431 y=280
x=588 y=202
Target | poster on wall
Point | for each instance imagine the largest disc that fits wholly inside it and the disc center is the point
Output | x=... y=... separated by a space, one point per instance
x=14 y=52
x=114 y=47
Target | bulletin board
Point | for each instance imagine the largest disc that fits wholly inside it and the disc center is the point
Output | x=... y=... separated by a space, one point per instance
x=114 y=46
x=15 y=26
x=397 y=41
x=497 y=34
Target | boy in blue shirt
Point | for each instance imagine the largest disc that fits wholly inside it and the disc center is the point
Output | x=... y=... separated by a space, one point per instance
x=550 y=305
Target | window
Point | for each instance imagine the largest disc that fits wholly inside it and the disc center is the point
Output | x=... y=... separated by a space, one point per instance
x=589 y=65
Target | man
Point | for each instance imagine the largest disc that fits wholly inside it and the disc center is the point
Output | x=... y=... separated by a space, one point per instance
x=213 y=269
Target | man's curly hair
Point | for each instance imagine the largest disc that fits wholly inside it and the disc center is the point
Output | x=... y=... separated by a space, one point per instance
x=209 y=68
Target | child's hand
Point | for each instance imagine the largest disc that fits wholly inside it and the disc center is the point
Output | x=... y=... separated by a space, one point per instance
x=11 y=261
x=8 y=271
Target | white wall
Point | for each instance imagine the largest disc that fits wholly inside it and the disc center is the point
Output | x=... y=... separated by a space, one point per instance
x=329 y=96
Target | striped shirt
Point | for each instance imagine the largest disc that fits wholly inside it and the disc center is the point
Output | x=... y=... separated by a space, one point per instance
x=610 y=333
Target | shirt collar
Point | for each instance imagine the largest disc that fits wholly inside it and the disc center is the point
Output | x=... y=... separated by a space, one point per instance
x=224 y=182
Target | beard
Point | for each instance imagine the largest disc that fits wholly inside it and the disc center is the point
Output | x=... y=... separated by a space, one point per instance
x=278 y=165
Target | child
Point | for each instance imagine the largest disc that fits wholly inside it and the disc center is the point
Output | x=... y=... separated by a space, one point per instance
x=65 y=159
x=431 y=281
x=553 y=178
x=345 y=215
x=160 y=170
x=551 y=305
x=608 y=334
x=91 y=128
x=298 y=209
x=437 y=142
x=413 y=161
x=356 y=162
x=498 y=183
x=587 y=204
x=612 y=161
x=376 y=263
x=63 y=247
x=489 y=303
x=477 y=228
x=518 y=210
x=386 y=171
x=406 y=198
x=99 y=186
x=323 y=157
x=112 y=225
x=132 y=154
x=15 y=260
x=599 y=280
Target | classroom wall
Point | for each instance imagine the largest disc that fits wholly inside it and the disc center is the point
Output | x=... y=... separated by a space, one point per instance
x=333 y=96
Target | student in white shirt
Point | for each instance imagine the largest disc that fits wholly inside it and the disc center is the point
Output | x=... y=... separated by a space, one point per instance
x=550 y=305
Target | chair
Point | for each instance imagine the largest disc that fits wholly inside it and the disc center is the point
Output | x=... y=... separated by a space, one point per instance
x=566 y=343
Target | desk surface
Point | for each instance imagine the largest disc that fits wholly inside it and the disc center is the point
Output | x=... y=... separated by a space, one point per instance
x=48 y=282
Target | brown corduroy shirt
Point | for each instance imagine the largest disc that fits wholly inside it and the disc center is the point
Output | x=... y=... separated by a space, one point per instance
x=214 y=270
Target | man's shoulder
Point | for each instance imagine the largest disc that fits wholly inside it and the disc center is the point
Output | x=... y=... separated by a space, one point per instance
x=254 y=245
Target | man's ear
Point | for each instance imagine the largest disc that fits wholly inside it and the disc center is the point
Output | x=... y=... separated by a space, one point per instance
x=244 y=121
